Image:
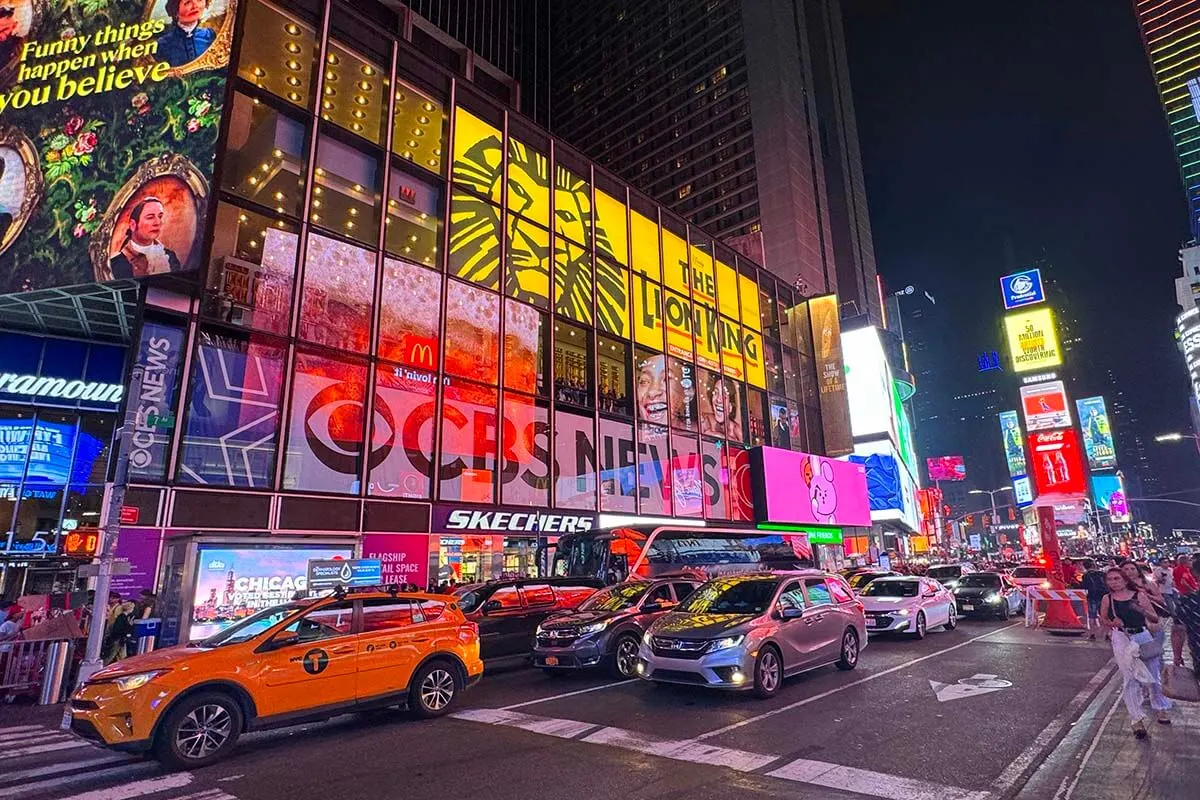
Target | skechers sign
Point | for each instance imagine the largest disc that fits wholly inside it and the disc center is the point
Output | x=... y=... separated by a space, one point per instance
x=461 y=519
x=1022 y=288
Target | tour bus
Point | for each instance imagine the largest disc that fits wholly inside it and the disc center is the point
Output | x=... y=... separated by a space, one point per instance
x=652 y=550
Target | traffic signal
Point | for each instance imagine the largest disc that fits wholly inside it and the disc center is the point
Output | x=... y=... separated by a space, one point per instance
x=987 y=521
x=970 y=519
x=1012 y=515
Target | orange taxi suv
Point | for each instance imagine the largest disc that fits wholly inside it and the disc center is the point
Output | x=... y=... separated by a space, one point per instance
x=291 y=663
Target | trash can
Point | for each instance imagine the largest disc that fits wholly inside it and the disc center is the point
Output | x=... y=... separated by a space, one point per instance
x=145 y=632
x=54 y=673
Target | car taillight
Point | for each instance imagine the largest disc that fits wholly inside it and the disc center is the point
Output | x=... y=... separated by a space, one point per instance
x=468 y=630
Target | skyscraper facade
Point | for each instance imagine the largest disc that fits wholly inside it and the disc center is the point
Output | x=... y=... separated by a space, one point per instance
x=1171 y=34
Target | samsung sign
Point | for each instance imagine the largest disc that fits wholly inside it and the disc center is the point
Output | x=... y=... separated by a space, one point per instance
x=1022 y=288
x=493 y=521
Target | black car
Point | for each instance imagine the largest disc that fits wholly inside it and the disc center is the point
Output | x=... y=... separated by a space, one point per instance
x=988 y=594
x=607 y=628
x=509 y=611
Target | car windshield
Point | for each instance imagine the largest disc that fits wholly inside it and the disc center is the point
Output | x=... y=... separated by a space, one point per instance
x=616 y=598
x=944 y=573
x=1029 y=572
x=748 y=596
x=471 y=599
x=252 y=626
x=863 y=578
x=981 y=581
x=892 y=589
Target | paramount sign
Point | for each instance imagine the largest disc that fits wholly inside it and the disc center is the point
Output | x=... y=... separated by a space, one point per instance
x=60 y=388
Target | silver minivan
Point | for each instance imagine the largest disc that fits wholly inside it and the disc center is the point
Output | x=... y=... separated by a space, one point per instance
x=750 y=631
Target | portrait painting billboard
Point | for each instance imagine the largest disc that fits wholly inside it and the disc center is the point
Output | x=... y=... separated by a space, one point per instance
x=109 y=115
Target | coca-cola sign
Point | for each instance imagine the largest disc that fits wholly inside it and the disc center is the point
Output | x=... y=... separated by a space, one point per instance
x=1055 y=462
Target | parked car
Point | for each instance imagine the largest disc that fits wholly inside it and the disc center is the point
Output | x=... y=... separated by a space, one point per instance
x=287 y=664
x=509 y=611
x=860 y=580
x=1030 y=575
x=948 y=574
x=988 y=593
x=752 y=631
x=908 y=604
x=607 y=628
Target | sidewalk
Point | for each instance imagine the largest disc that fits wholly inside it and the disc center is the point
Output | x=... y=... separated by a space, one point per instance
x=1117 y=766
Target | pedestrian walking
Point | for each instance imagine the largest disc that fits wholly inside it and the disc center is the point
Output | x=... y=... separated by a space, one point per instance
x=1139 y=577
x=1094 y=585
x=118 y=624
x=1128 y=613
x=1187 y=596
x=1165 y=580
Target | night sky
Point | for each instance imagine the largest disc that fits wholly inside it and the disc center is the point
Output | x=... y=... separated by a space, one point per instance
x=1033 y=125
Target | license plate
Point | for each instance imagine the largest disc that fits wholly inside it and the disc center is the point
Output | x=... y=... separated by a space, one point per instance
x=873 y=623
x=968 y=608
x=66 y=720
x=551 y=661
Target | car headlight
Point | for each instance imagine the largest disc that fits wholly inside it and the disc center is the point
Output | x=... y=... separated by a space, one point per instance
x=993 y=598
x=127 y=683
x=594 y=627
x=903 y=612
x=726 y=643
x=646 y=638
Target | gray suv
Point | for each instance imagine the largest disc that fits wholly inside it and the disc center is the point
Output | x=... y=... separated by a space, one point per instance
x=606 y=629
x=751 y=631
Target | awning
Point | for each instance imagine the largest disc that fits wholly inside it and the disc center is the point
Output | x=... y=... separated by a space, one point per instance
x=94 y=311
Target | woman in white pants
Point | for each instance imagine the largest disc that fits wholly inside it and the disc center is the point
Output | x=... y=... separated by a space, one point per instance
x=1129 y=612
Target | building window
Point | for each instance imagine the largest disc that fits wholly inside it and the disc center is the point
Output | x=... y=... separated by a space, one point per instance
x=326 y=426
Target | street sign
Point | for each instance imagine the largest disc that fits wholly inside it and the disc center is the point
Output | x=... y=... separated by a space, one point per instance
x=161 y=421
x=130 y=515
x=93 y=570
x=977 y=684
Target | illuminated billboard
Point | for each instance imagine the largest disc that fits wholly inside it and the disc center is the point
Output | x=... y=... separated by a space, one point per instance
x=890 y=486
x=1097 y=433
x=109 y=115
x=809 y=489
x=946 y=468
x=1109 y=495
x=1022 y=491
x=1014 y=443
x=1022 y=288
x=1056 y=465
x=868 y=383
x=1045 y=406
x=1032 y=340
x=831 y=370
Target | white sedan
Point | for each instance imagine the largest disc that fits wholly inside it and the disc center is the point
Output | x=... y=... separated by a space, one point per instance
x=1031 y=576
x=908 y=604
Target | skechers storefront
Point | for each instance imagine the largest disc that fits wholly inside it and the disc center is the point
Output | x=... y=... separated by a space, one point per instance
x=385 y=316
x=58 y=404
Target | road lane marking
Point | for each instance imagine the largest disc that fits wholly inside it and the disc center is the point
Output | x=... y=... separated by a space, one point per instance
x=1067 y=791
x=859 y=682
x=570 y=694
x=1013 y=773
x=42 y=748
x=136 y=789
x=55 y=769
x=549 y=726
x=681 y=750
x=123 y=770
x=873 y=784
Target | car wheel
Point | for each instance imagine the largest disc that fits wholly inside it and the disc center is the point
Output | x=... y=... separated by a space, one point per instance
x=952 y=622
x=434 y=689
x=198 y=731
x=1004 y=610
x=625 y=656
x=920 y=628
x=848 y=658
x=768 y=673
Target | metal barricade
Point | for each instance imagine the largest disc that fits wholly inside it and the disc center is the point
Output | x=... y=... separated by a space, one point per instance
x=36 y=668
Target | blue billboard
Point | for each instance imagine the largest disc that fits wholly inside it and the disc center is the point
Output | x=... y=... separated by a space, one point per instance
x=55 y=454
x=1022 y=288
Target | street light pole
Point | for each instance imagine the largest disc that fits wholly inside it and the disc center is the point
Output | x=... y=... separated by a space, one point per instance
x=991 y=493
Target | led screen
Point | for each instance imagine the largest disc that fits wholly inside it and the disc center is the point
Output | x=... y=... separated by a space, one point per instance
x=1032 y=340
x=946 y=468
x=1097 y=433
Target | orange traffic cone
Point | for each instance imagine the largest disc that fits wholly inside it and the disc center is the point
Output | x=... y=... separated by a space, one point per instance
x=1060 y=616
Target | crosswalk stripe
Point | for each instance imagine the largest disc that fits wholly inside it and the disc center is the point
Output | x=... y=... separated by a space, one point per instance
x=123 y=770
x=56 y=769
x=207 y=794
x=19 y=728
x=137 y=789
x=42 y=748
x=34 y=737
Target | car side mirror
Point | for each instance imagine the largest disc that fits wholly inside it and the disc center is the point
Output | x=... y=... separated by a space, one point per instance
x=931 y=593
x=490 y=606
x=791 y=613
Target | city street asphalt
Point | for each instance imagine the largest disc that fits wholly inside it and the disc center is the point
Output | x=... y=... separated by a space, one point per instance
x=986 y=711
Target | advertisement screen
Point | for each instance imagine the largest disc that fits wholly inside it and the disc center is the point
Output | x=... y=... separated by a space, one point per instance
x=868 y=383
x=233 y=583
x=1023 y=491
x=1109 y=495
x=946 y=468
x=1097 y=434
x=1032 y=340
x=1045 y=406
x=48 y=449
x=1022 y=288
x=891 y=490
x=109 y=114
x=831 y=370
x=1057 y=466
x=802 y=488
x=1014 y=444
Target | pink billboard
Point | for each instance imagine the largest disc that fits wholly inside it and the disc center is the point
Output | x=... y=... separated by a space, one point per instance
x=801 y=488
